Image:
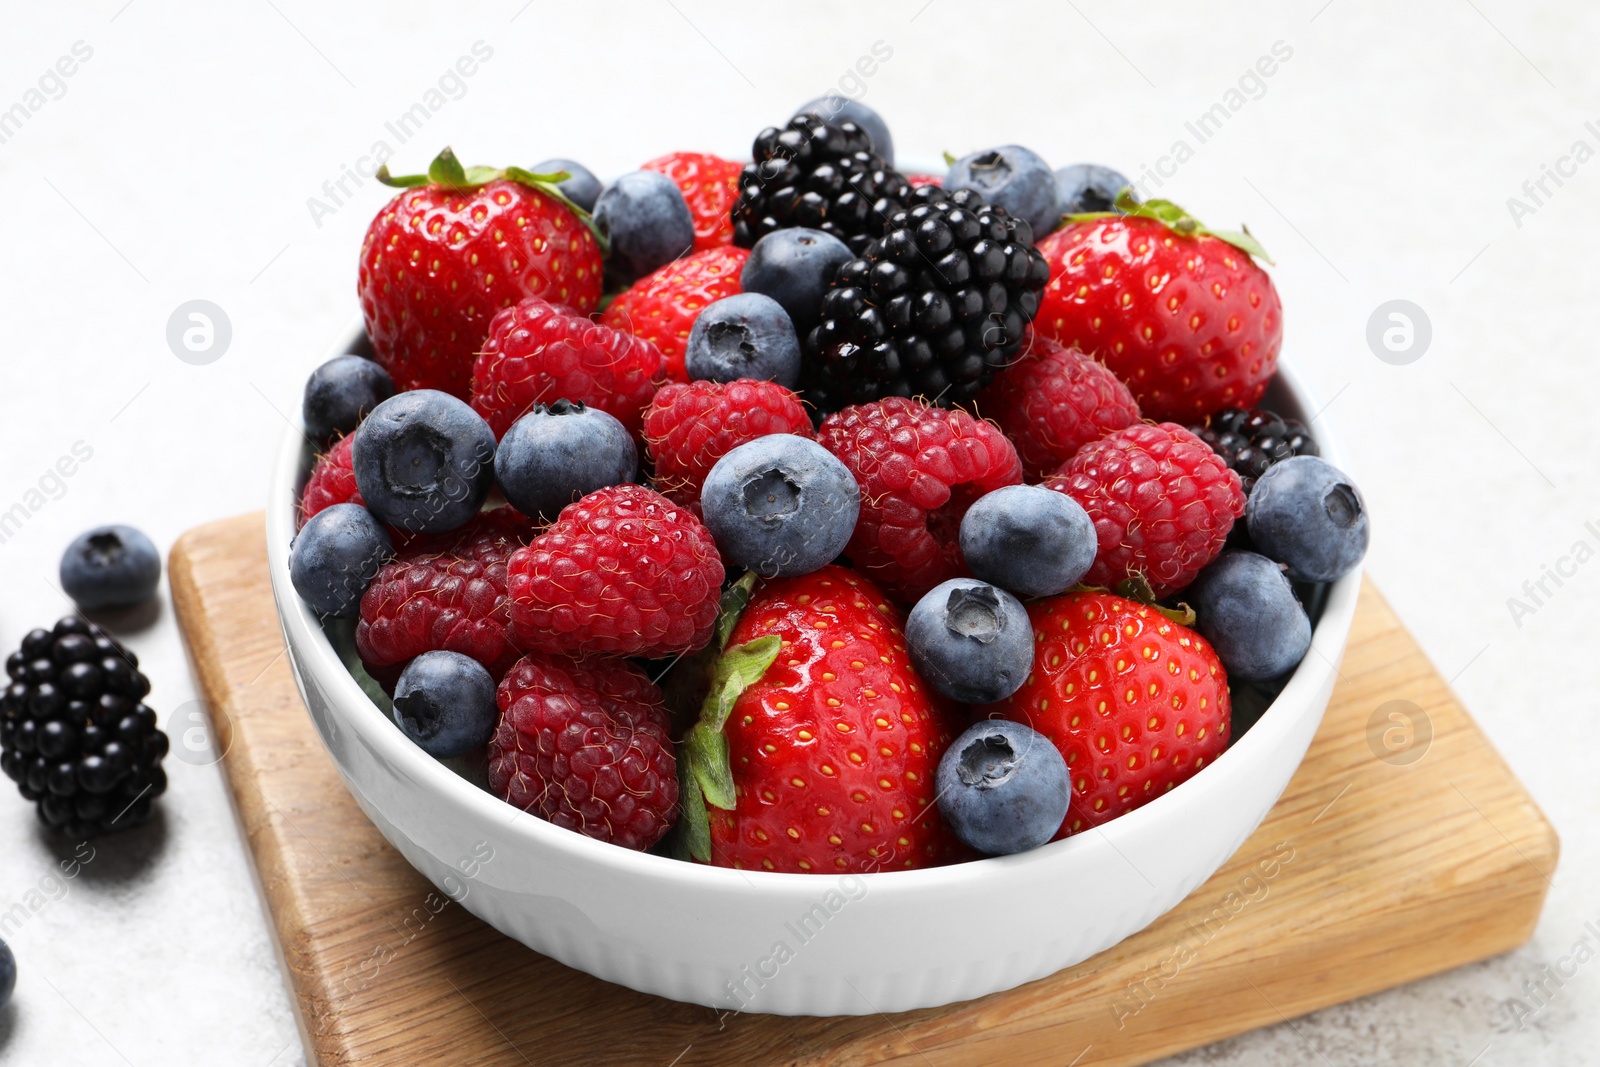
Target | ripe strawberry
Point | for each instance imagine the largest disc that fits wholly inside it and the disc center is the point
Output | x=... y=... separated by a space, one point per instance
x=585 y=745
x=662 y=306
x=444 y=591
x=1182 y=314
x=624 y=571
x=453 y=248
x=710 y=185
x=538 y=353
x=332 y=481
x=1135 y=702
x=831 y=739
x=919 y=468
x=1052 y=402
x=1162 y=504
x=688 y=427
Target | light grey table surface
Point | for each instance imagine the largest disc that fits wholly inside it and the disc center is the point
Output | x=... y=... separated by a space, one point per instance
x=197 y=151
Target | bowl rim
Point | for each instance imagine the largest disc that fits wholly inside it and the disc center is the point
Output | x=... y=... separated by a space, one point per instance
x=316 y=655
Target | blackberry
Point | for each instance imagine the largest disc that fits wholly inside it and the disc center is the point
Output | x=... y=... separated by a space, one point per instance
x=74 y=733
x=1250 y=442
x=933 y=308
x=820 y=175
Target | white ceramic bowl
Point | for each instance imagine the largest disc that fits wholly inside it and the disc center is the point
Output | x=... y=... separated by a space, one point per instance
x=800 y=944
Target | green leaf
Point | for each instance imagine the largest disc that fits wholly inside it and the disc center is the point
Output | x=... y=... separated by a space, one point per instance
x=738 y=669
x=446 y=170
x=1180 y=221
x=405 y=181
x=734 y=600
x=707 y=755
x=692 y=836
x=949 y=160
x=1245 y=241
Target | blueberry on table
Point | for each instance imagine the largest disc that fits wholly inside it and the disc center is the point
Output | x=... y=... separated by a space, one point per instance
x=970 y=640
x=1245 y=606
x=1029 y=540
x=424 y=461
x=1307 y=514
x=780 y=505
x=580 y=186
x=334 y=558
x=562 y=452
x=648 y=222
x=110 y=567
x=746 y=335
x=1014 y=178
x=1003 y=787
x=342 y=392
x=835 y=108
x=1088 y=187
x=795 y=267
x=445 y=702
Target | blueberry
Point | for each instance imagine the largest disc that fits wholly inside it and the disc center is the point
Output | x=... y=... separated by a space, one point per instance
x=445 y=702
x=558 y=453
x=647 y=221
x=1003 y=787
x=340 y=393
x=581 y=186
x=1011 y=177
x=334 y=558
x=1306 y=514
x=8 y=974
x=1085 y=187
x=971 y=641
x=795 y=266
x=781 y=505
x=1245 y=607
x=835 y=108
x=746 y=335
x=110 y=567
x=1028 y=539
x=424 y=461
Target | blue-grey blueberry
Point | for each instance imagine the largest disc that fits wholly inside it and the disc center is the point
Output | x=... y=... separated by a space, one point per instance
x=795 y=266
x=445 y=702
x=836 y=108
x=746 y=335
x=780 y=505
x=1003 y=787
x=970 y=640
x=334 y=558
x=1014 y=178
x=1308 y=515
x=558 y=453
x=581 y=186
x=647 y=221
x=110 y=567
x=342 y=392
x=1086 y=187
x=1028 y=539
x=424 y=461
x=1245 y=606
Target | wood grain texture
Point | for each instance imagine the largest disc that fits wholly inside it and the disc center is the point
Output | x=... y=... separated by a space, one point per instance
x=1367 y=874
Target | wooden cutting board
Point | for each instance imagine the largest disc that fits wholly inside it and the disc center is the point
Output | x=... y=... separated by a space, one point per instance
x=1402 y=847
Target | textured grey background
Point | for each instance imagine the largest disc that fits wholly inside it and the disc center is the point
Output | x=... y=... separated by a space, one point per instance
x=1375 y=163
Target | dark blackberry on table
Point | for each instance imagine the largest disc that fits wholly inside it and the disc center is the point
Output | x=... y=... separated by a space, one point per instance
x=74 y=733
x=933 y=308
x=1250 y=442
x=820 y=175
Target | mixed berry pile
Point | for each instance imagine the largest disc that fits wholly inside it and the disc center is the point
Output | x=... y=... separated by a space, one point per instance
x=804 y=515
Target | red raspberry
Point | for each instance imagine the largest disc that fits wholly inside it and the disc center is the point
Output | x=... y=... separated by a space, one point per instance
x=624 y=570
x=444 y=591
x=1162 y=504
x=916 y=180
x=710 y=185
x=585 y=745
x=1052 y=402
x=332 y=481
x=538 y=353
x=661 y=307
x=919 y=468
x=689 y=427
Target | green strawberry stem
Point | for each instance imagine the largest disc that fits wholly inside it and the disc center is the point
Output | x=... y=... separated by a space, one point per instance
x=447 y=172
x=1136 y=587
x=705 y=775
x=1178 y=221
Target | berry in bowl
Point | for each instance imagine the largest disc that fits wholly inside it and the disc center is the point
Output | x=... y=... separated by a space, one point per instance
x=838 y=578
